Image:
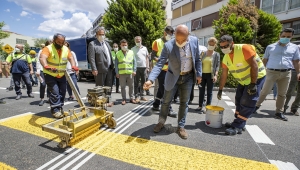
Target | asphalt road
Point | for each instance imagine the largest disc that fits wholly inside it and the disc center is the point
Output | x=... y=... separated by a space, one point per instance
x=267 y=143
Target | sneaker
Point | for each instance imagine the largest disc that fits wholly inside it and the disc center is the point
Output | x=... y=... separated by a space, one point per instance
x=233 y=131
x=41 y=103
x=143 y=99
x=155 y=108
x=11 y=88
x=280 y=116
x=158 y=127
x=296 y=113
x=18 y=97
x=57 y=115
x=70 y=98
x=182 y=133
x=228 y=125
x=30 y=95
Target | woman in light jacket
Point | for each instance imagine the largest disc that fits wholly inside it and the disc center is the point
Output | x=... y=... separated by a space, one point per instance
x=210 y=67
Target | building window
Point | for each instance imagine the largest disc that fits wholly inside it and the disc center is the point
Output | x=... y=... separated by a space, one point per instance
x=279 y=6
x=294 y=4
x=21 y=41
x=197 y=24
x=267 y=6
x=188 y=24
x=286 y=25
x=296 y=27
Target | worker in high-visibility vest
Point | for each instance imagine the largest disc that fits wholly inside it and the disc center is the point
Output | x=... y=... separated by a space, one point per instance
x=245 y=65
x=54 y=59
x=125 y=67
x=33 y=77
x=114 y=79
x=157 y=47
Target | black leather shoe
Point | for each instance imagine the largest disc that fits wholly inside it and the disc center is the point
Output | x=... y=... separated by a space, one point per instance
x=233 y=131
x=172 y=114
x=148 y=93
x=10 y=88
x=41 y=103
x=228 y=125
x=280 y=116
x=31 y=95
x=18 y=97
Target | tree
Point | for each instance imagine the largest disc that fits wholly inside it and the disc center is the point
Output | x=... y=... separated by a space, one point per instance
x=125 y=19
x=3 y=35
x=39 y=41
x=247 y=25
x=26 y=48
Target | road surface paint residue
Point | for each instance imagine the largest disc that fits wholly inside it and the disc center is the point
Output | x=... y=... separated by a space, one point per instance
x=141 y=152
x=6 y=167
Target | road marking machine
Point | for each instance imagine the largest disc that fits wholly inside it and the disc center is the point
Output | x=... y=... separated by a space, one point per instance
x=80 y=122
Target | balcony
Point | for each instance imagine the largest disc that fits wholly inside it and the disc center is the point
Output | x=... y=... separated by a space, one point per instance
x=178 y=3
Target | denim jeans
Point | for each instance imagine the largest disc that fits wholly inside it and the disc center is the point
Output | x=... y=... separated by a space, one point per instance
x=17 y=81
x=74 y=79
x=208 y=82
x=184 y=85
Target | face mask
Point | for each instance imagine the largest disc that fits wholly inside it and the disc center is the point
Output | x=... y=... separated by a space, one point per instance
x=57 y=46
x=138 y=44
x=210 y=47
x=226 y=50
x=101 y=38
x=17 y=50
x=168 y=37
x=181 y=45
x=124 y=48
x=284 y=40
x=116 y=49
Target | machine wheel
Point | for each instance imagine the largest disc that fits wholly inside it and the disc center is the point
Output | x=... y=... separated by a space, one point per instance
x=111 y=123
x=62 y=144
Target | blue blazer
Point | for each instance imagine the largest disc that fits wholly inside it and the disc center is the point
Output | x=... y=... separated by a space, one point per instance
x=171 y=54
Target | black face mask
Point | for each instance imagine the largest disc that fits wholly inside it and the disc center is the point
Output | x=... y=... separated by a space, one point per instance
x=57 y=46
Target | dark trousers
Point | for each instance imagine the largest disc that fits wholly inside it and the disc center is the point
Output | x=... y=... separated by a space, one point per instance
x=17 y=81
x=74 y=79
x=115 y=80
x=33 y=79
x=43 y=86
x=192 y=93
x=139 y=80
x=57 y=92
x=245 y=103
x=161 y=90
x=104 y=79
x=207 y=82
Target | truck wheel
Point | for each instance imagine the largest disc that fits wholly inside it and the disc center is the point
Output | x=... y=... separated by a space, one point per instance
x=79 y=77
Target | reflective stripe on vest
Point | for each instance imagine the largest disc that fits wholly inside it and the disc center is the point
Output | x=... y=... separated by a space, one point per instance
x=125 y=63
x=56 y=61
x=160 y=45
x=239 y=67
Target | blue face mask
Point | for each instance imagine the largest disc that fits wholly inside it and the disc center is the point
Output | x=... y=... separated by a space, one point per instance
x=284 y=40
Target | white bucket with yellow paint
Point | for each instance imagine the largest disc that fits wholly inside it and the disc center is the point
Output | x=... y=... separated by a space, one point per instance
x=214 y=116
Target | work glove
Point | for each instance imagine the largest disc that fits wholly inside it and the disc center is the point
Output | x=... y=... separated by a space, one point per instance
x=219 y=94
x=75 y=68
x=50 y=68
x=252 y=89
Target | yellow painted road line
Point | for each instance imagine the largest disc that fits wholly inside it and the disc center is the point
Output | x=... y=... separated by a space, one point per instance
x=4 y=166
x=141 y=152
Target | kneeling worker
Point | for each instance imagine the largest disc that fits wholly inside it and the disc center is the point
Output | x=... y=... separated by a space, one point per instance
x=54 y=59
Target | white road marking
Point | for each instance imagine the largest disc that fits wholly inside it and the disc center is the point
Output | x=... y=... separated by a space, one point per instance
x=226 y=98
x=233 y=110
x=223 y=93
x=283 y=165
x=229 y=103
x=2 y=88
x=12 y=117
x=65 y=159
x=258 y=135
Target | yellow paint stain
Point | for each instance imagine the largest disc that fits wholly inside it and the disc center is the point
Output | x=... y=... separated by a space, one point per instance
x=214 y=108
x=4 y=166
x=143 y=152
x=31 y=124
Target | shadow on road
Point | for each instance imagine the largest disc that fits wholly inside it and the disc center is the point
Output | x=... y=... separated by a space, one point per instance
x=206 y=129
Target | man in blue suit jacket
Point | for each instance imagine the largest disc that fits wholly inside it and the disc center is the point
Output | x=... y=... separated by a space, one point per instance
x=184 y=69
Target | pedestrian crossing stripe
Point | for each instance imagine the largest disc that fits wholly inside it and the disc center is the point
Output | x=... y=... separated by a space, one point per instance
x=139 y=151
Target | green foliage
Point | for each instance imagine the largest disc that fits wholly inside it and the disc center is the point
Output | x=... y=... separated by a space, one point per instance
x=26 y=48
x=3 y=35
x=125 y=19
x=39 y=41
x=247 y=25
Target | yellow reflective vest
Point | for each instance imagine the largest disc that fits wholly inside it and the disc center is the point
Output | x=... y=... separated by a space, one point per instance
x=125 y=63
x=56 y=61
x=160 y=45
x=239 y=67
x=113 y=55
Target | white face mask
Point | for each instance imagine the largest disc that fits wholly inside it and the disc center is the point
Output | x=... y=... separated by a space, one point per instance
x=17 y=50
x=138 y=44
x=168 y=37
x=181 y=45
x=209 y=47
x=101 y=38
x=116 y=49
x=226 y=50
x=124 y=48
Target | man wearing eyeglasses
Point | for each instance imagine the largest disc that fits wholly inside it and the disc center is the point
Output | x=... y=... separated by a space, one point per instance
x=280 y=58
x=54 y=59
x=245 y=65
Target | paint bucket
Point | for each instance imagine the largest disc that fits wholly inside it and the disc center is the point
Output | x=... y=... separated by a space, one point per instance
x=214 y=116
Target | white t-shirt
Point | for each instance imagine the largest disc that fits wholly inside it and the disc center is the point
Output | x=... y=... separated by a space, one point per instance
x=69 y=67
x=141 y=55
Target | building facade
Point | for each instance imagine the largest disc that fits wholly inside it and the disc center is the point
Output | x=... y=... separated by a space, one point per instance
x=15 y=38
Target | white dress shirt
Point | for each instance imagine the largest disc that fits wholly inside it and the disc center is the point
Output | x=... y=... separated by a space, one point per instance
x=186 y=58
x=107 y=52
